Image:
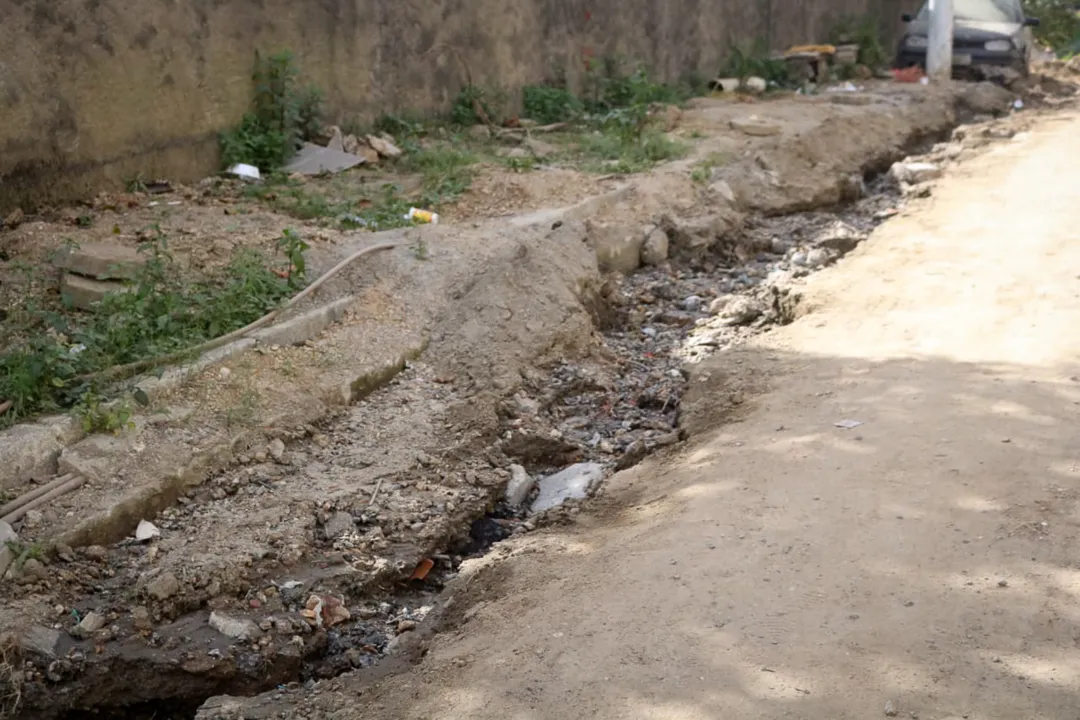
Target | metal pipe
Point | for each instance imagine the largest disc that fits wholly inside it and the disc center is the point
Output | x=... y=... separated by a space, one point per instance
x=52 y=495
x=33 y=494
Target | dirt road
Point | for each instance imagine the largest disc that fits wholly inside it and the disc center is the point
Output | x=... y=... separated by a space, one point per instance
x=922 y=564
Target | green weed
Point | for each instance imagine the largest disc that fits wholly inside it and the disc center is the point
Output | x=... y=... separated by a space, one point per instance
x=1059 y=24
x=547 y=105
x=98 y=416
x=864 y=31
x=475 y=104
x=283 y=114
x=135 y=184
x=607 y=152
x=752 y=60
x=520 y=164
x=46 y=365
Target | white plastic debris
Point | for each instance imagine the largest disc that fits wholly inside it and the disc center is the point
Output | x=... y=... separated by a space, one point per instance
x=247 y=172
x=146 y=531
x=846 y=87
x=848 y=424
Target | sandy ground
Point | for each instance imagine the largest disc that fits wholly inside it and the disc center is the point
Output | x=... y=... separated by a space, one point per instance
x=922 y=564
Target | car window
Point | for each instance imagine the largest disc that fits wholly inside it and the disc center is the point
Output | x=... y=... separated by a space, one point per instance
x=1003 y=11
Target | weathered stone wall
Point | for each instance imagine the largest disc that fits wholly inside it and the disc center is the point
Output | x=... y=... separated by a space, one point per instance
x=93 y=91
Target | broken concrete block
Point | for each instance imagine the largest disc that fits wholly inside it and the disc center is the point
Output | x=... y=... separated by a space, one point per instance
x=103 y=261
x=31 y=450
x=573 y=483
x=84 y=293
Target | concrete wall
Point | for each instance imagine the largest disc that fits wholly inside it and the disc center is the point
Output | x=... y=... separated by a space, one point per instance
x=93 y=91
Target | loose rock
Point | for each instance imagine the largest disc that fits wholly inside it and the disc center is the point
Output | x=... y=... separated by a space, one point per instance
x=163 y=587
x=986 y=97
x=520 y=485
x=236 y=628
x=339 y=524
x=655 y=249
x=90 y=624
x=384 y=146
x=276 y=449
x=140 y=618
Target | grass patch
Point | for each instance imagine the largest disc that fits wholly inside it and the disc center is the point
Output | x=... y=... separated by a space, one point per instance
x=52 y=354
x=548 y=105
x=608 y=152
x=446 y=172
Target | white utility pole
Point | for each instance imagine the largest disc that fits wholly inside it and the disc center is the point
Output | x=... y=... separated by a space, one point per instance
x=939 y=49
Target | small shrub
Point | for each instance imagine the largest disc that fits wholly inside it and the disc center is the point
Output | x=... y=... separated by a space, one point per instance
x=475 y=104
x=282 y=115
x=97 y=416
x=752 y=60
x=547 y=105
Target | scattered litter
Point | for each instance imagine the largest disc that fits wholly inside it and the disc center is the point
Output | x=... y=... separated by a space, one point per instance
x=247 y=172
x=924 y=81
x=146 y=531
x=422 y=569
x=315 y=160
x=724 y=84
x=890 y=709
x=357 y=221
x=914 y=172
x=846 y=87
x=754 y=84
x=912 y=74
x=848 y=424
x=1018 y=104
x=423 y=216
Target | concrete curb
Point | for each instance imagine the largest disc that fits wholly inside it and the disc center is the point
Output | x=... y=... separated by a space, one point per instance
x=32 y=450
x=124 y=513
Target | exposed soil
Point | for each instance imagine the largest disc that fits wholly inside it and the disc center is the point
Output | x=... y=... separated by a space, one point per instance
x=533 y=359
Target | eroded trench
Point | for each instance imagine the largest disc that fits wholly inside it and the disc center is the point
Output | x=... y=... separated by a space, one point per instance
x=652 y=324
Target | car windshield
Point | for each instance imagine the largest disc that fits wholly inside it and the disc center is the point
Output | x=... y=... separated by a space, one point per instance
x=999 y=11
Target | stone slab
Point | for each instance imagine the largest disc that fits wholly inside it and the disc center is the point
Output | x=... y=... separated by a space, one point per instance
x=84 y=293
x=103 y=261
